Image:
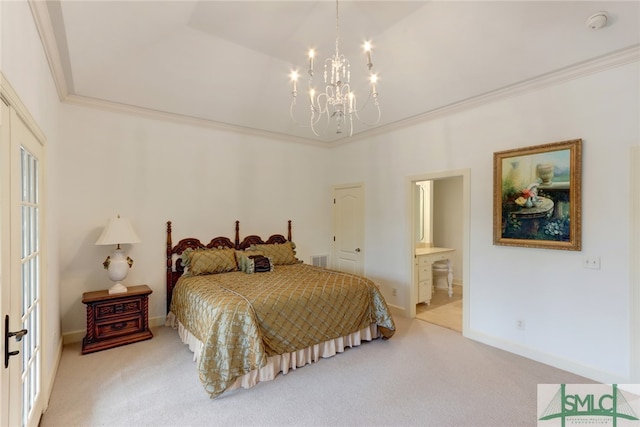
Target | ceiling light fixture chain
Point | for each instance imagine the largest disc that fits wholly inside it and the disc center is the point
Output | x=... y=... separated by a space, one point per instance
x=337 y=101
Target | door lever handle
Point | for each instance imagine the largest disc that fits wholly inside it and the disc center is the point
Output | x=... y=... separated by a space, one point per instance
x=18 y=334
x=7 y=334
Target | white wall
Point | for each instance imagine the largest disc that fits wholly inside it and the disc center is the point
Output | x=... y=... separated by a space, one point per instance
x=24 y=65
x=575 y=318
x=200 y=179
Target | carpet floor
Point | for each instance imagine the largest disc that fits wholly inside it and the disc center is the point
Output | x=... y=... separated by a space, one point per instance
x=425 y=375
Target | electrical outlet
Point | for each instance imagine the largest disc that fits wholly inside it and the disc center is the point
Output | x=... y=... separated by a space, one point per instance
x=395 y=292
x=520 y=325
x=591 y=262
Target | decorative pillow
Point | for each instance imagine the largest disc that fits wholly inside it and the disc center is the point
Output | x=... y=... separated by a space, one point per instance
x=258 y=264
x=280 y=254
x=186 y=258
x=209 y=261
x=242 y=258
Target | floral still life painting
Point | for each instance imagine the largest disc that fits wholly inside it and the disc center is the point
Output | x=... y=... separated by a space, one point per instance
x=537 y=196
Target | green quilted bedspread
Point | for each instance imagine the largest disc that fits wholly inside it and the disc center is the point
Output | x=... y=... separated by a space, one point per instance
x=242 y=319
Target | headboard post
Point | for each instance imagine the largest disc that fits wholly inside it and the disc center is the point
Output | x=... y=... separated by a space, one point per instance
x=169 y=266
x=237 y=240
x=289 y=231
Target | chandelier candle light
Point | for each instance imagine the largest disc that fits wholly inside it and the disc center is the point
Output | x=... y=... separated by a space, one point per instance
x=338 y=100
x=118 y=232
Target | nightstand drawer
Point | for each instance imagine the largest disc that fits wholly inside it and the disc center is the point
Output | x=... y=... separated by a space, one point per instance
x=116 y=319
x=116 y=309
x=119 y=327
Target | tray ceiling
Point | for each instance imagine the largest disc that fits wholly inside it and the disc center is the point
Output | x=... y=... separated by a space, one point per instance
x=226 y=63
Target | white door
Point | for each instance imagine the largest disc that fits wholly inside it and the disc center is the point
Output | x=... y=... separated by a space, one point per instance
x=20 y=231
x=348 y=226
x=5 y=155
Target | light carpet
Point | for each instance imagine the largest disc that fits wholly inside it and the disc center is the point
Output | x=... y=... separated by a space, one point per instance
x=424 y=375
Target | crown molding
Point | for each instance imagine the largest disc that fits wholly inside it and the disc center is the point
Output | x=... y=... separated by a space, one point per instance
x=576 y=71
x=116 y=107
x=42 y=19
x=612 y=60
x=43 y=23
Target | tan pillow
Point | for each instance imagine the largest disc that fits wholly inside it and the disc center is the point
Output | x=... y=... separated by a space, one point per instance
x=211 y=261
x=280 y=254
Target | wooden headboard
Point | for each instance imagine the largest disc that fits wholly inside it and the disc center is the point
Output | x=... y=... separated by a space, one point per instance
x=175 y=269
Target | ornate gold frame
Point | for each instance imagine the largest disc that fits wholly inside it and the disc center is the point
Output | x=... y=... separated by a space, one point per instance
x=530 y=208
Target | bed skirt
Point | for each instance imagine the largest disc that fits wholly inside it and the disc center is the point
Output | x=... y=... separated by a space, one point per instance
x=284 y=362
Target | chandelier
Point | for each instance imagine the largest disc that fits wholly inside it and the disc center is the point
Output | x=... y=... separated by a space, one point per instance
x=337 y=102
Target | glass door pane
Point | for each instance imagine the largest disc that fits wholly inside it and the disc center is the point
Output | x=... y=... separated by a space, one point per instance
x=31 y=261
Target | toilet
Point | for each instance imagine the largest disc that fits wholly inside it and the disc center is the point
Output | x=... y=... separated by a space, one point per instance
x=440 y=272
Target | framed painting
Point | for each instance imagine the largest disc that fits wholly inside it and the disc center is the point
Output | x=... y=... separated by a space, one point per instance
x=537 y=196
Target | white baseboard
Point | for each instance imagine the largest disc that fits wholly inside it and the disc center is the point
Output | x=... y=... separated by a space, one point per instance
x=73 y=337
x=397 y=310
x=548 y=359
x=157 y=321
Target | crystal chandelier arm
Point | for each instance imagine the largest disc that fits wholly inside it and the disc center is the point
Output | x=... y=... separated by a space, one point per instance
x=337 y=101
x=322 y=103
x=313 y=122
x=317 y=112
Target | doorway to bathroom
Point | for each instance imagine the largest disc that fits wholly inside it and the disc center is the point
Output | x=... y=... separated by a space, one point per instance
x=440 y=224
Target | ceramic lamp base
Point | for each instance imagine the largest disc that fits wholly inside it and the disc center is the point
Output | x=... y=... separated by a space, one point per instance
x=118 y=288
x=118 y=266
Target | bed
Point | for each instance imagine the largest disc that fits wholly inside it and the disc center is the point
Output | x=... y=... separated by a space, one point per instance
x=250 y=309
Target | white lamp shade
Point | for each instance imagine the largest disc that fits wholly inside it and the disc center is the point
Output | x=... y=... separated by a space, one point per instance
x=118 y=231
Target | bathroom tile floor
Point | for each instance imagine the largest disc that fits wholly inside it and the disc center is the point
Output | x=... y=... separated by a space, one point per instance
x=443 y=311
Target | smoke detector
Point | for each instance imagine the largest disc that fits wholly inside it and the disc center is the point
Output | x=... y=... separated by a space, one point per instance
x=597 y=20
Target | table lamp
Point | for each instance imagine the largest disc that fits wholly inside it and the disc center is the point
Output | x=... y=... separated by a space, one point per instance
x=118 y=232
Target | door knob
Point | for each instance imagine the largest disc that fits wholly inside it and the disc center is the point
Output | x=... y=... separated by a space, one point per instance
x=357 y=249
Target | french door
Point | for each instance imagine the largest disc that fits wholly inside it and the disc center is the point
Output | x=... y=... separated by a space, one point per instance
x=21 y=155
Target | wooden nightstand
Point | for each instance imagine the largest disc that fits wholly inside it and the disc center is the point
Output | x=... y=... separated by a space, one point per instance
x=117 y=319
